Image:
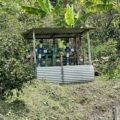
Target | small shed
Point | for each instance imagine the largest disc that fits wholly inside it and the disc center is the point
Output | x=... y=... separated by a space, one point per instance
x=57 y=57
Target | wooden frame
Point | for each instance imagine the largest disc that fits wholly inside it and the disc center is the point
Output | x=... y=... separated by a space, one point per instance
x=67 y=73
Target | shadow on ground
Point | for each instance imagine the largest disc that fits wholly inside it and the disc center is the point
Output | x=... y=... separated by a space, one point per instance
x=17 y=107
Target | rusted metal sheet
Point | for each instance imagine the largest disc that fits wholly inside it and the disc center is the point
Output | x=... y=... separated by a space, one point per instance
x=70 y=74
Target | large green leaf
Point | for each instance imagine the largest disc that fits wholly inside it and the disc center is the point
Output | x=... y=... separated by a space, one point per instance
x=58 y=10
x=48 y=5
x=69 y=15
x=42 y=5
x=33 y=10
x=45 y=5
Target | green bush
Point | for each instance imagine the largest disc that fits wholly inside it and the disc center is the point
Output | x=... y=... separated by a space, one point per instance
x=106 y=49
x=114 y=72
x=14 y=70
x=107 y=58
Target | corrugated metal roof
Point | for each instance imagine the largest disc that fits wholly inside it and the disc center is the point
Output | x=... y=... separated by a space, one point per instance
x=48 y=33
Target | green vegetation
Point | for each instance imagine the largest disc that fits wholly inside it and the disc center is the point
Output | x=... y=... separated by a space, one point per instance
x=14 y=69
x=43 y=101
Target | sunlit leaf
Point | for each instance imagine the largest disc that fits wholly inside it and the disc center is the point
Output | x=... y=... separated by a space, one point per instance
x=45 y=5
x=69 y=15
x=42 y=5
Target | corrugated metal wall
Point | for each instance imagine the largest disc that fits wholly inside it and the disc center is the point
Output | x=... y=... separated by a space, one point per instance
x=69 y=74
x=79 y=73
x=51 y=74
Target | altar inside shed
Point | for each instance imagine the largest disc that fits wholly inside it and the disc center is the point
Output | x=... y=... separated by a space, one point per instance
x=57 y=54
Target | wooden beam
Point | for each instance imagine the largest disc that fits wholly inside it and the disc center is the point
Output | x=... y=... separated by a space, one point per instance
x=89 y=48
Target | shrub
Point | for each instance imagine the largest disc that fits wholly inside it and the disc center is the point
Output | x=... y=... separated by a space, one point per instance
x=107 y=58
x=14 y=70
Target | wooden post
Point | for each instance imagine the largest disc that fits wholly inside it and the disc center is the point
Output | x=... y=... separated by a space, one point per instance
x=119 y=32
x=1 y=85
x=54 y=53
x=89 y=49
x=46 y=60
x=78 y=46
x=83 y=56
x=76 y=50
x=115 y=113
x=74 y=43
x=81 y=51
x=62 y=72
x=34 y=46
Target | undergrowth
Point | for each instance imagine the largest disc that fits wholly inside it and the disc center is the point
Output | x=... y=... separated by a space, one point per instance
x=45 y=101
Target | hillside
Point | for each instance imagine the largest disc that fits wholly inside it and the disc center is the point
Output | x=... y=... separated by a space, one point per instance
x=44 y=101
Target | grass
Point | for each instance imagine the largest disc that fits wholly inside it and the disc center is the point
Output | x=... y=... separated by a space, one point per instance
x=45 y=101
